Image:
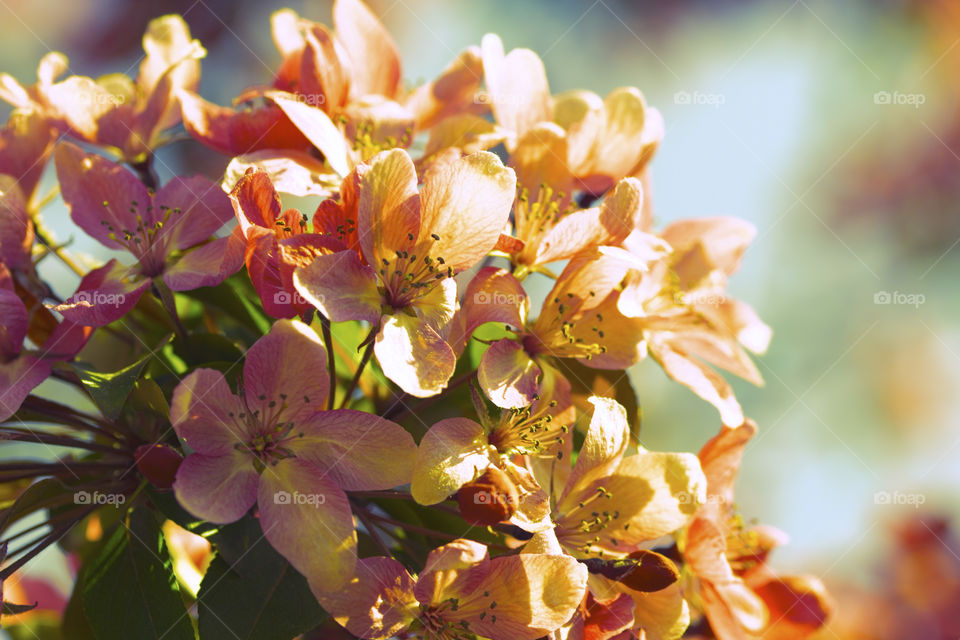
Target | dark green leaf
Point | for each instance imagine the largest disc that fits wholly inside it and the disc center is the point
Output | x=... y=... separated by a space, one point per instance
x=258 y=597
x=130 y=591
x=109 y=391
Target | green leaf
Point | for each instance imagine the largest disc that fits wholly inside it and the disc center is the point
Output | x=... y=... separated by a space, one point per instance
x=238 y=299
x=130 y=591
x=257 y=597
x=197 y=349
x=74 y=624
x=40 y=495
x=109 y=391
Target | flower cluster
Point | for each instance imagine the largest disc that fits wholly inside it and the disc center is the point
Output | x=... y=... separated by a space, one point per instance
x=370 y=387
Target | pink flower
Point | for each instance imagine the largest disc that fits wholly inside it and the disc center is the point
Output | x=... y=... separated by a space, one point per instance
x=22 y=370
x=114 y=207
x=413 y=242
x=273 y=445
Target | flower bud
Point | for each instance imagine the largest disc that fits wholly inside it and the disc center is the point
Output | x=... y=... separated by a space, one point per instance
x=644 y=571
x=489 y=499
x=158 y=463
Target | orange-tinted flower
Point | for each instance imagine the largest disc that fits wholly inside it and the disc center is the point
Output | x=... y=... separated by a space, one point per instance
x=461 y=592
x=412 y=243
x=689 y=321
x=114 y=111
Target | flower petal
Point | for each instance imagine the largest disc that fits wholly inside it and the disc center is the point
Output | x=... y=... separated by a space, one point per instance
x=389 y=207
x=378 y=602
x=722 y=240
x=16 y=228
x=18 y=377
x=452 y=453
x=720 y=458
x=317 y=127
x=534 y=595
x=207 y=266
x=232 y=132
x=357 y=450
x=508 y=376
x=218 y=488
x=200 y=412
x=374 y=61
x=517 y=84
x=341 y=287
x=99 y=193
x=200 y=208
x=699 y=378
x=285 y=373
x=16 y=320
x=450 y=93
x=413 y=355
x=651 y=493
x=466 y=202
x=607 y=438
x=104 y=295
x=307 y=518
x=493 y=295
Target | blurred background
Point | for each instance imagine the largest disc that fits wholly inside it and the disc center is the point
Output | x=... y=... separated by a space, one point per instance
x=833 y=127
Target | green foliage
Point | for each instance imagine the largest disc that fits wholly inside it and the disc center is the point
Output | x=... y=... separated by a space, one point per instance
x=129 y=591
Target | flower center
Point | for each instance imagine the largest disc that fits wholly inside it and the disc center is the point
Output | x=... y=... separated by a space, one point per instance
x=266 y=430
x=529 y=431
x=438 y=627
x=408 y=276
x=568 y=333
x=146 y=241
x=534 y=219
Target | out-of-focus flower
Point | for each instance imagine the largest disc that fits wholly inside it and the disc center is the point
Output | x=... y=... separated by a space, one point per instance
x=413 y=243
x=114 y=111
x=738 y=593
x=688 y=320
x=21 y=370
x=277 y=243
x=272 y=445
x=461 y=591
x=574 y=141
x=191 y=555
x=115 y=208
x=341 y=89
x=16 y=227
x=25 y=144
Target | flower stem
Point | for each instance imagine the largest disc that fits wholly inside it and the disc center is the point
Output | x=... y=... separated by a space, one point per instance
x=331 y=359
x=356 y=377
